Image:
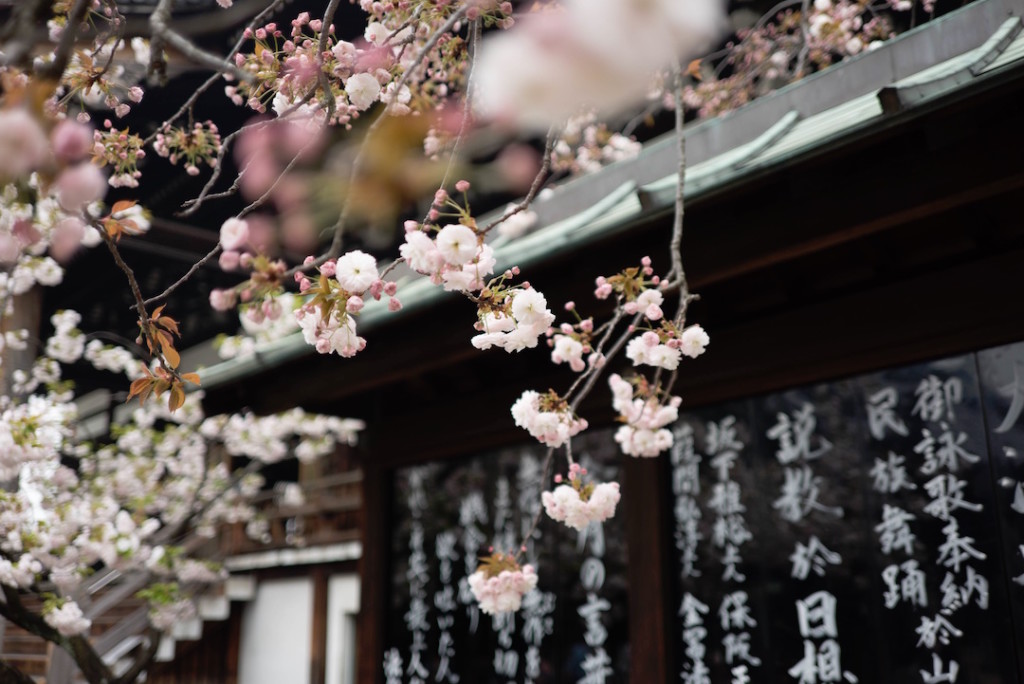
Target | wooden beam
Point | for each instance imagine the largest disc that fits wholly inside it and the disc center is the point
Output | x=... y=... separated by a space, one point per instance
x=318 y=635
x=373 y=571
x=644 y=498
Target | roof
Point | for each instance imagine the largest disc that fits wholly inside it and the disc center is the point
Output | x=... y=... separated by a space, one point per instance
x=944 y=59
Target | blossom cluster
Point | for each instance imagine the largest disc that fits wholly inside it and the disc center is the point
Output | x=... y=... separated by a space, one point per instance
x=200 y=144
x=547 y=417
x=499 y=584
x=127 y=497
x=644 y=414
x=785 y=48
x=327 y=319
x=49 y=193
x=586 y=54
x=93 y=79
x=453 y=255
x=66 y=617
x=664 y=347
x=573 y=341
x=577 y=504
x=291 y=75
x=515 y=319
x=587 y=145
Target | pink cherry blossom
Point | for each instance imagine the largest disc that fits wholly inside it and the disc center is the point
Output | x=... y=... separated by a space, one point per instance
x=234 y=234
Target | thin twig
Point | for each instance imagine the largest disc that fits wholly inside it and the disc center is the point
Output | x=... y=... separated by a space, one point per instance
x=805 y=32
x=22 y=29
x=548 y=461
x=538 y=181
x=474 y=37
x=183 y=279
x=191 y=206
x=619 y=344
x=262 y=199
x=215 y=78
x=158 y=22
x=610 y=324
x=61 y=56
x=140 y=304
x=332 y=7
x=338 y=229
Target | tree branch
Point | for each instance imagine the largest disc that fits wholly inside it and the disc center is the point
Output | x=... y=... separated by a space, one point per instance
x=89 y=662
x=22 y=29
x=158 y=23
x=9 y=673
x=208 y=83
x=183 y=279
x=538 y=181
x=62 y=54
x=676 y=278
x=143 y=660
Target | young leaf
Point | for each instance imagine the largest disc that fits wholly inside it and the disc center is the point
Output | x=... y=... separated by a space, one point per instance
x=171 y=355
x=121 y=205
x=176 y=398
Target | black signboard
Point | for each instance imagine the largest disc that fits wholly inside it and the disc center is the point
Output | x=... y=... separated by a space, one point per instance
x=863 y=530
x=573 y=626
x=862 y=533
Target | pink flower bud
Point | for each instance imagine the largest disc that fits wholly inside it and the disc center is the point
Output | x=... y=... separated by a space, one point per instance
x=390 y=289
x=71 y=141
x=80 y=185
x=394 y=304
x=234 y=233
x=440 y=196
x=222 y=300
x=462 y=185
x=329 y=268
x=354 y=304
x=228 y=260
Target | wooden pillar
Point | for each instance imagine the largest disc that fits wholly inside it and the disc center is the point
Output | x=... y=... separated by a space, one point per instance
x=644 y=494
x=373 y=573
x=318 y=636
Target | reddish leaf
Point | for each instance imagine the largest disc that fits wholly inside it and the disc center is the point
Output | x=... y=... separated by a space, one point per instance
x=122 y=205
x=176 y=399
x=171 y=355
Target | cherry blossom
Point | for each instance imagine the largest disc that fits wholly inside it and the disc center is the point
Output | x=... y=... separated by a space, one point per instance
x=577 y=504
x=499 y=584
x=547 y=418
x=66 y=618
x=644 y=416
